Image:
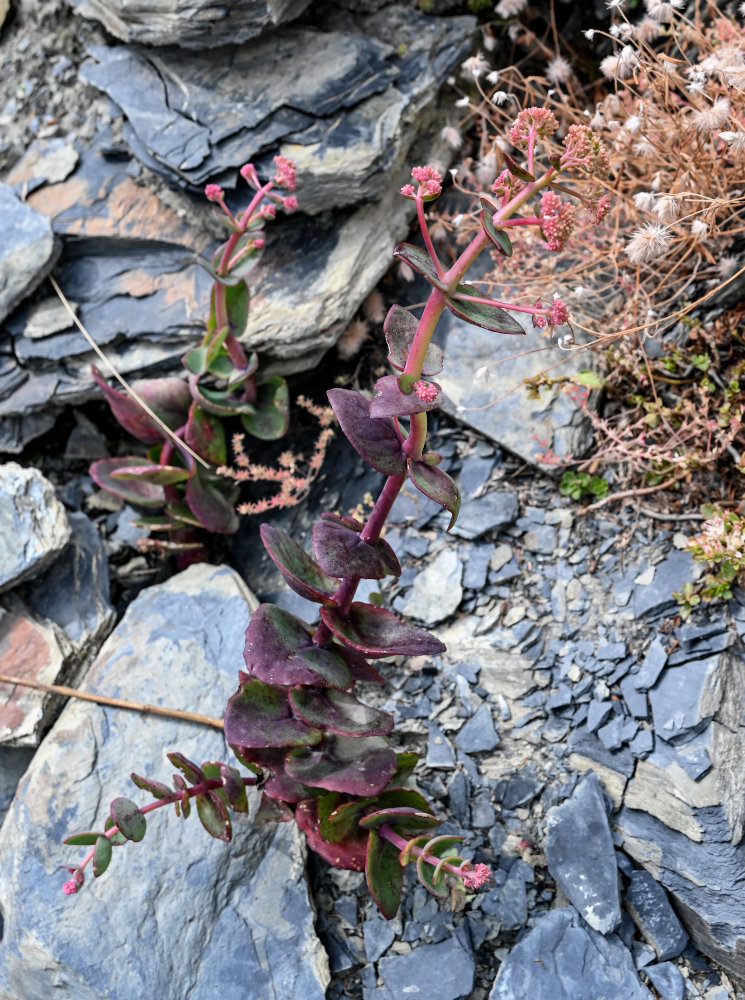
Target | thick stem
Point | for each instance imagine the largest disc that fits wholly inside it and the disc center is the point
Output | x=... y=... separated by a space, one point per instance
x=387 y=833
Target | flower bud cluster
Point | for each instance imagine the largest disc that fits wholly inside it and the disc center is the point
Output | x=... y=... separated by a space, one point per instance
x=537 y=123
x=429 y=183
x=506 y=186
x=557 y=220
x=585 y=149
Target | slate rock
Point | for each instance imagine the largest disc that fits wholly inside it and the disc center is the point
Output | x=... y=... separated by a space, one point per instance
x=437 y=590
x=508 y=903
x=443 y=971
x=634 y=699
x=13 y=763
x=439 y=751
x=239 y=913
x=478 y=733
x=459 y=798
x=201 y=25
x=74 y=591
x=653 y=599
x=29 y=250
x=652 y=913
x=667 y=979
x=597 y=713
x=488 y=513
x=581 y=856
x=518 y=790
x=379 y=935
x=651 y=667
x=686 y=698
x=542 y=539
x=34 y=527
x=564 y=959
x=611 y=734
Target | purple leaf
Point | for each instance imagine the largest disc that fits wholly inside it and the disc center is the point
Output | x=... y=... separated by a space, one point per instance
x=338 y=712
x=259 y=715
x=499 y=237
x=207 y=500
x=377 y=632
x=205 y=435
x=302 y=573
x=134 y=491
x=168 y=398
x=438 y=486
x=349 y=853
x=399 y=327
x=160 y=475
x=385 y=874
x=271 y=811
x=278 y=785
x=489 y=317
x=389 y=401
x=400 y=818
x=279 y=650
x=156 y=788
x=420 y=261
x=235 y=790
x=375 y=440
x=361 y=671
x=360 y=765
x=341 y=551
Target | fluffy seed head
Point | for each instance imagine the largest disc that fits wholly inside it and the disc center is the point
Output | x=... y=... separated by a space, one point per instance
x=647 y=243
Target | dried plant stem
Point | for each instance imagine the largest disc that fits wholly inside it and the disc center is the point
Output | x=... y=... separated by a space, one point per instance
x=181 y=445
x=100 y=699
x=631 y=493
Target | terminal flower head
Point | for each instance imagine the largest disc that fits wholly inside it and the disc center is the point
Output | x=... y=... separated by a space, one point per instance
x=474 y=876
x=539 y=123
x=425 y=391
x=213 y=192
x=286 y=173
x=429 y=183
x=584 y=148
x=557 y=220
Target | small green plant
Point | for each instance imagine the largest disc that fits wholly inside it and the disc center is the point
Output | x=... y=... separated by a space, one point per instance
x=579 y=484
x=721 y=543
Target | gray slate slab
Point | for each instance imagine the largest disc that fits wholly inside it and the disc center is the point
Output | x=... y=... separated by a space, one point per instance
x=437 y=589
x=28 y=251
x=667 y=979
x=581 y=856
x=180 y=914
x=652 y=913
x=478 y=733
x=443 y=971
x=651 y=667
x=653 y=599
x=488 y=513
x=34 y=526
x=564 y=959
x=686 y=698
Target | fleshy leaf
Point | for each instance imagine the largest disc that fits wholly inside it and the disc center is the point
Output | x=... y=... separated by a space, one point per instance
x=135 y=491
x=187 y=767
x=277 y=785
x=339 y=712
x=272 y=811
x=168 y=398
x=279 y=650
x=385 y=876
x=515 y=169
x=393 y=798
x=260 y=715
x=341 y=551
x=156 y=788
x=488 y=317
x=235 y=789
x=214 y=817
x=377 y=632
x=405 y=764
x=220 y=402
x=375 y=440
x=127 y=816
x=116 y=839
x=338 y=817
x=159 y=475
x=362 y=672
x=87 y=839
x=438 y=486
x=499 y=237
x=420 y=261
x=399 y=328
x=405 y=855
x=389 y=401
x=101 y=856
x=210 y=503
x=349 y=854
x=272 y=405
x=237 y=300
x=401 y=818
x=302 y=573
x=205 y=434
x=358 y=765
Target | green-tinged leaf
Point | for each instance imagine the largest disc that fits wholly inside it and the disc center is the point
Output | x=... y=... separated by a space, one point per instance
x=214 y=817
x=439 y=847
x=220 y=402
x=187 y=767
x=205 y=434
x=420 y=261
x=134 y=491
x=161 y=475
x=357 y=765
x=399 y=328
x=272 y=410
x=405 y=764
x=488 y=317
x=235 y=789
x=588 y=378
x=338 y=818
x=393 y=798
x=406 y=854
x=377 y=632
x=116 y=839
x=260 y=715
x=515 y=169
x=87 y=839
x=211 y=500
x=156 y=788
x=195 y=360
x=180 y=512
x=406 y=383
x=349 y=853
x=498 y=237
x=237 y=300
x=127 y=816
x=385 y=876
x=338 y=712
x=435 y=885
x=301 y=573
x=400 y=818
x=431 y=458
x=438 y=486
x=101 y=856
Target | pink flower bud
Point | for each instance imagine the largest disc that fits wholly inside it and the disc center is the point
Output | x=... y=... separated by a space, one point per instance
x=286 y=173
x=291 y=203
x=425 y=391
x=248 y=173
x=213 y=192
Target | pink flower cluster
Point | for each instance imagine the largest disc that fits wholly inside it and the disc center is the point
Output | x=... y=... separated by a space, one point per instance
x=213 y=192
x=474 y=876
x=429 y=183
x=584 y=149
x=602 y=207
x=537 y=123
x=721 y=539
x=557 y=220
x=286 y=173
x=557 y=315
x=75 y=883
x=506 y=186
x=426 y=391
